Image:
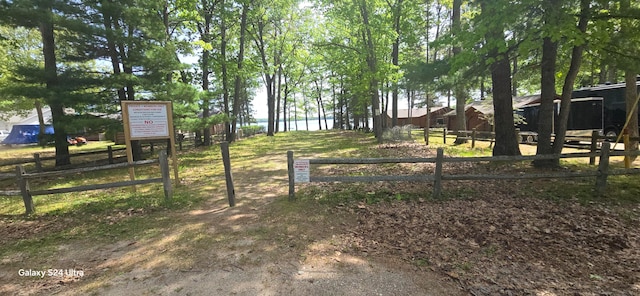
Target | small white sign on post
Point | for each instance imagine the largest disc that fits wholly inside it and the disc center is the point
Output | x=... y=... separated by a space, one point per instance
x=301 y=170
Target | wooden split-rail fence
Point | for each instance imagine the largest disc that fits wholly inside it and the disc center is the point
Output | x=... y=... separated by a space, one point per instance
x=38 y=159
x=22 y=178
x=301 y=174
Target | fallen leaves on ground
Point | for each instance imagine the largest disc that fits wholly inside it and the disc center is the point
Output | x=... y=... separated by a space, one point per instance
x=509 y=246
x=495 y=241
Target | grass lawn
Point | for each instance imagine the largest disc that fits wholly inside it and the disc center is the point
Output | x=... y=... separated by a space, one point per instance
x=201 y=170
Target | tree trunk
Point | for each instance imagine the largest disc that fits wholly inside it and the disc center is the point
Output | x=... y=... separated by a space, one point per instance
x=373 y=70
x=239 y=76
x=51 y=76
x=459 y=90
x=269 y=78
x=205 y=34
x=631 y=90
x=567 y=88
x=229 y=135
x=284 y=104
x=42 y=139
x=278 y=97
x=506 y=140
x=271 y=102
x=547 y=96
x=631 y=96
x=514 y=81
x=395 y=60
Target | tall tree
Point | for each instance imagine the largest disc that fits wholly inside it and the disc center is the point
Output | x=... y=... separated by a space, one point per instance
x=205 y=26
x=579 y=43
x=396 y=10
x=552 y=12
x=497 y=51
x=631 y=69
x=459 y=89
x=240 y=75
x=40 y=14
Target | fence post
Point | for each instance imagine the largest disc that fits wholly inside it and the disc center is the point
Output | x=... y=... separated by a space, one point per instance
x=603 y=168
x=473 y=138
x=437 y=183
x=166 y=175
x=518 y=137
x=110 y=154
x=444 y=136
x=23 y=184
x=38 y=162
x=231 y=193
x=292 y=185
x=426 y=134
x=627 y=158
x=594 y=147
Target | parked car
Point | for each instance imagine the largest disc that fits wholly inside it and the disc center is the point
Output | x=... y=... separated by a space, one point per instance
x=81 y=141
x=76 y=140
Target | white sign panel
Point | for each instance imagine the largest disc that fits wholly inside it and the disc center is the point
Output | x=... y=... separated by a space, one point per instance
x=148 y=121
x=301 y=170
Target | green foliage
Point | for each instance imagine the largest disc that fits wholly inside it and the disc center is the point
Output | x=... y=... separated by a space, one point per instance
x=251 y=130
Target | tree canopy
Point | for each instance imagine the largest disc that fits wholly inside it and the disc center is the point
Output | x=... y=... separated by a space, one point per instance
x=349 y=61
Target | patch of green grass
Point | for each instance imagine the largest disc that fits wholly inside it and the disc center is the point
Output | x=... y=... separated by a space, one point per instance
x=422 y=262
x=490 y=250
x=353 y=192
x=464 y=266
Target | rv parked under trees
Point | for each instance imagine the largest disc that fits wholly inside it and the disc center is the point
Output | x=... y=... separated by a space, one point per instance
x=599 y=108
x=615 y=114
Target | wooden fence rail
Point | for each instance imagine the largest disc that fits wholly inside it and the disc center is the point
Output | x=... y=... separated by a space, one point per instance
x=38 y=159
x=527 y=137
x=437 y=177
x=22 y=179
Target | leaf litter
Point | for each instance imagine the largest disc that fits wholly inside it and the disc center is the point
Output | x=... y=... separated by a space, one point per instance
x=492 y=239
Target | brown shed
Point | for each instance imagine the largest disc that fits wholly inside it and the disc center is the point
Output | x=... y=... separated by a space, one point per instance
x=418 y=117
x=477 y=113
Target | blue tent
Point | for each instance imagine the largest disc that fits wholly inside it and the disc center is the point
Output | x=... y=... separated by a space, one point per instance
x=26 y=134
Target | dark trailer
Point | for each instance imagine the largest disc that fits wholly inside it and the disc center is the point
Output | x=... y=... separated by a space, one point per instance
x=585 y=116
x=615 y=114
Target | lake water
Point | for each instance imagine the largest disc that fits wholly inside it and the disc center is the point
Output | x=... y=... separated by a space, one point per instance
x=301 y=125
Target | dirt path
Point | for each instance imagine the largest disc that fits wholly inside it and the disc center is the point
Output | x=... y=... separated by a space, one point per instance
x=259 y=247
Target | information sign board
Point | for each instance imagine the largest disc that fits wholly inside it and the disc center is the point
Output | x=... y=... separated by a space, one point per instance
x=301 y=170
x=148 y=121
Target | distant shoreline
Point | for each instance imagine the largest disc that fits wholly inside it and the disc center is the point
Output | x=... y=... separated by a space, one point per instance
x=260 y=120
